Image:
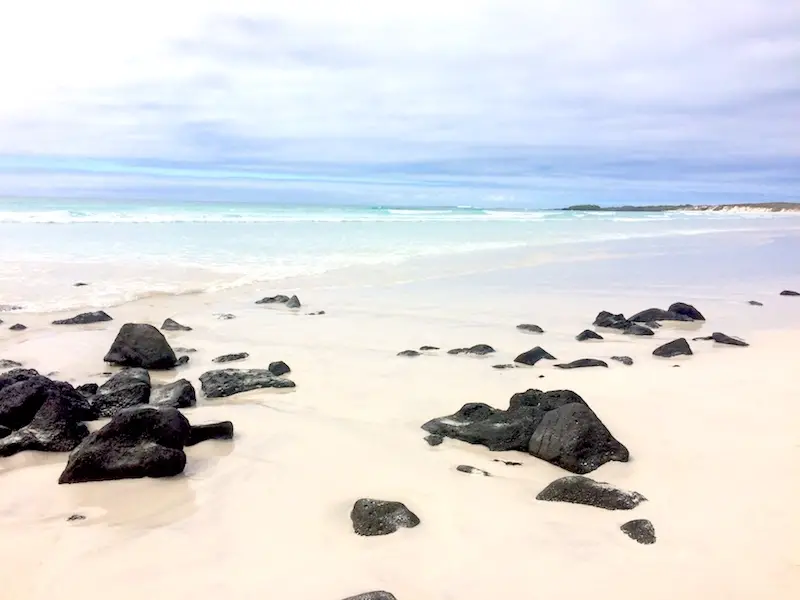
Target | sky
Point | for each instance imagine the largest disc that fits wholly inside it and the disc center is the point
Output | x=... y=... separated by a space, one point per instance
x=512 y=102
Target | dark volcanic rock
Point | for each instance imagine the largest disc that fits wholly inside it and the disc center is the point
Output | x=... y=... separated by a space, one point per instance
x=137 y=442
x=4 y=431
x=476 y=350
x=381 y=517
x=789 y=293
x=625 y=360
x=87 y=390
x=182 y=360
x=172 y=325
x=531 y=357
x=128 y=388
x=294 y=302
x=657 y=314
x=721 y=338
x=85 y=318
x=477 y=423
x=472 y=470
x=755 y=303
x=227 y=382
x=316 y=313
x=574 y=438
x=178 y=394
x=583 y=362
x=582 y=490
x=510 y=463
x=640 y=530
x=504 y=366
x=377 y=595
x=212 y=431
x=225 y=316
x=529 y=328
x=636 y=329
x=434 y=439
x=9 y=364
x=231 y=357
x=673 y=348
x=428 y=348
x=180 y=350
x=409 y=353
x=279 y=299
x=76 y=517
x=687 y=310
x=141 y=345
x=18 y=327
x=611 y=321
x=588 y=334
x=15 y=376
x=23 y=392
x=278 y=368
x=544 y=401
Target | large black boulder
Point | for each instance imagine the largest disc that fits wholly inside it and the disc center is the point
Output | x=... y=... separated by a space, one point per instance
x=582 y=490
x=137 y=442
x=534 y=355
x=221 y=383
x=611 y=321
x=85 y=318
x=178 y=394
x=574 y=438
x=545 y=401
x=674 y=348
x=381 y=517
x=687 y=310
x=128 y=388
x=141 y=345
x=23 y=393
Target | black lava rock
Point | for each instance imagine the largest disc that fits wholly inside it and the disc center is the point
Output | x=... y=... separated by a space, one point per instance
x=544 y=401
x=87 y=390
x=434 y=439
x=611 y=321
x=409 y=353
x=581 y=363
x=128 y=388
x=755 y=303
x=789 y=293
x=582 y=490
x=504 y=366
x=381 y=517
x=377 y=595
x=227 y=382
x=721 y=338
x=212 y=431
x=574 y=438
x=172 y=325
x=294 y=302
x=674 y=348
x=178 y=394
x=625 y=360
x=9 y=364
x=588 y=334
x=231 y=357
x=530 y=328
x=18 y=327
x=428 y=348
x=658 y=314
x=279 y=299
x=636 y=329
x=279 y=368
x=476 y=350
x=85 y=318
x=640 y=530
x=534 y=355
x=687 y=310
x=180 y=350
x=141 y=345
x=472 y=470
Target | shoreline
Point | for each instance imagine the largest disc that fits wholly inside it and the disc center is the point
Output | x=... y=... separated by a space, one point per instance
x=754 y=207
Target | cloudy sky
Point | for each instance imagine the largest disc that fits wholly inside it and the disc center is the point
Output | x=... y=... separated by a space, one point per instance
x=517 y=102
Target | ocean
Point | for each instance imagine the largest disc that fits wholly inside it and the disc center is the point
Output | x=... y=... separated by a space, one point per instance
x=127 y=251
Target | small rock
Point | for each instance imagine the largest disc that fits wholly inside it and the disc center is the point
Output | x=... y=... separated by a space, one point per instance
x=212 y=431
x=279 y=368
x=582 y=362
x=314 y=314
x=505 y=366
x=225 y=316
x=9 y=364
x=510 y=463
x=409 y=353
x=625 y=360
x=294 y=302
x=172 y=325
x=18 y=327
x=381 y=517
x=531 y=357
x=141 y=345
x=640 y=530
x=279 y=299
x=178 y=394
x=789 y=293
x=588 y=334
x=80 y=284
x=636 y=329
x=434 y=439
x=182 y=360
x=428 y=348
x=476 y=350
x=377 y=595
x=227 y=382
x=472 y=470
x=674 y=348
x=721 y=338
x=76 y=517
x=87 y=318
x=128 y=388
x=755 y=303
x=529 y=328
x=577 y=489
x=231 y=357
x=181 y=350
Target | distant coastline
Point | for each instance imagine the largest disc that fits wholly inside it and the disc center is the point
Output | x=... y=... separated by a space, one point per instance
x=745 y=207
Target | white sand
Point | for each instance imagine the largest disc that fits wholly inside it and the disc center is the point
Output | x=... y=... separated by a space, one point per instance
x=714 y=447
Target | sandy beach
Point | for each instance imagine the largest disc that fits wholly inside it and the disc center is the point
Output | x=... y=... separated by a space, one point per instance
x=712 y=439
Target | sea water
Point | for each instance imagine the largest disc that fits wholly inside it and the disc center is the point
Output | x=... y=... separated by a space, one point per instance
x=130 y=250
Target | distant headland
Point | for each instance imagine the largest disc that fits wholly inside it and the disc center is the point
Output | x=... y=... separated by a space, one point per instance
x=752 y=206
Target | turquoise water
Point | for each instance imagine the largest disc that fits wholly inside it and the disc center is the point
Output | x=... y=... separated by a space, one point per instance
x=131 y=250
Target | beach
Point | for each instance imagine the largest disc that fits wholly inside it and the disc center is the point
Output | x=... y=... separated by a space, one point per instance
x=712 y=436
